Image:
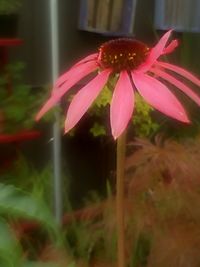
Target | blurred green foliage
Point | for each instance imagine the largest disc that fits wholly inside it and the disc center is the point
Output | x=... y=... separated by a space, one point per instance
x=143 y=122
x=10 y=6
x=16 y=204
x=19 y=102
x=10 y=251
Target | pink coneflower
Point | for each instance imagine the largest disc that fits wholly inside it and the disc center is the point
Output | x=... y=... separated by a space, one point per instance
x=138 y=69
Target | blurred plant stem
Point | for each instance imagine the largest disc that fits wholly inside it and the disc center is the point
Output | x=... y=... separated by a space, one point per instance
x=121 y=149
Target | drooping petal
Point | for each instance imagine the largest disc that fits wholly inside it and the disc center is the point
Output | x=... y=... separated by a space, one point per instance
x=159 y=96
x=86 y=59
x=84 y=98
x=184 y=88
x=186 y=74
x=155 y=53
x=47 y=106
x=122 y=105
x=77 y=70
x=76 y=75
x=171 y=47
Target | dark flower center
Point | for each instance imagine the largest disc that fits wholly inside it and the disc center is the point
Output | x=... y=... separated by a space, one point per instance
x=122 y=54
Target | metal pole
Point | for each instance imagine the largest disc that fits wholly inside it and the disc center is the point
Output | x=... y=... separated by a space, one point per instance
x=57 y=179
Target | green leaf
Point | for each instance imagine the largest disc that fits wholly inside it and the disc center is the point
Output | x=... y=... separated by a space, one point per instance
x=144 y=126
x=98 y=130
x=10 y=251
x=104 y=98
x=14 y=202
x=141 y=251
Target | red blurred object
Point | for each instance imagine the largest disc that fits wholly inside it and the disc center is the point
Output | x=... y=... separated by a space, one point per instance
x=6 y=161
x=10 y=151
x=19 y=137
x=10 y=41
x=5 y=43
x=24 y=226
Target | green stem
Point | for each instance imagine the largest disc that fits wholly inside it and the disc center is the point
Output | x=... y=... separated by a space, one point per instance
x=121 y=147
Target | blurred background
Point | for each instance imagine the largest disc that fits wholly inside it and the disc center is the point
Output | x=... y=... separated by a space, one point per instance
x=162 y=175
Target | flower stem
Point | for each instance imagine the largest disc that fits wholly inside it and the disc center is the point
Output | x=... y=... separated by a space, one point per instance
x=121 y=147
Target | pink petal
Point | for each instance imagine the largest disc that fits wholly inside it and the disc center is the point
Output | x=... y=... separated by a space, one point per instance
x=84 y=98
x=186 y=74
x=155 y=53
x=47 y=106
x=159 y=96
x=76 y=75
x=76 y=70
x=184 y=88
x=170 y=48
x=122 y=105
x=88 y=58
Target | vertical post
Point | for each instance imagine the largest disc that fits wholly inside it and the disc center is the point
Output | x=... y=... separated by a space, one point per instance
x=57 y=180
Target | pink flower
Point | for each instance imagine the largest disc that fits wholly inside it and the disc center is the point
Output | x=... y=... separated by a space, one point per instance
x=137 y=68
